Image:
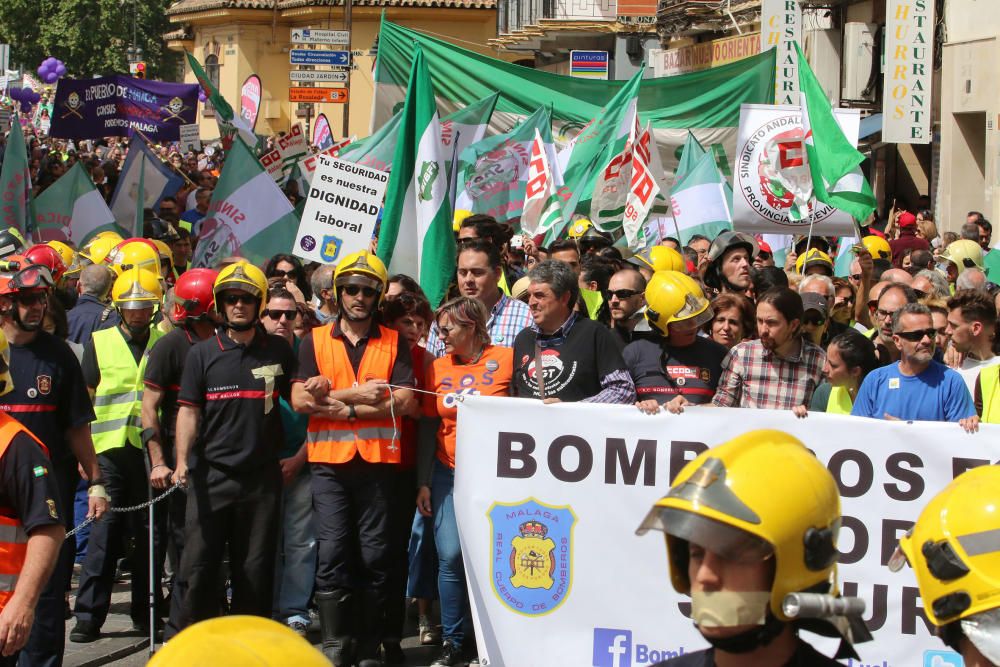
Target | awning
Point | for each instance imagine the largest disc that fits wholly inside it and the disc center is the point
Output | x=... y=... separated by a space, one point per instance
x=870 y=125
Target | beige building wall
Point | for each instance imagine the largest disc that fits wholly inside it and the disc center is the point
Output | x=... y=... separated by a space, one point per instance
x=253 y=47
x=970 y=113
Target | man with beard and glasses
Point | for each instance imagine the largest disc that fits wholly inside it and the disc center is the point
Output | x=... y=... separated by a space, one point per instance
x=915 y=388
x=50 y=399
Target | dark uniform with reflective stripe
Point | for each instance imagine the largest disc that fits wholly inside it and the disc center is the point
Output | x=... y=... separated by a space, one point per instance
x=49 y=398
x=234 y=487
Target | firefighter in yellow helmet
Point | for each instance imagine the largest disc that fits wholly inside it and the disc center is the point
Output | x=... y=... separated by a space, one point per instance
x=814 y=261
x=32 y=528
x=751 y=530
x=680 y=366
x=345 y=371
x=114 y=363
x=97 y=251
x=657 y=258
x=587 y=236
x=961 y=255
x=954 y=550
x=877 y=247
x=228 y=435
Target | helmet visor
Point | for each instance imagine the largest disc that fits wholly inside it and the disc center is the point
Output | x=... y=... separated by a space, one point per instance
x=983 y=630
x=35 y=276
x=727 y=541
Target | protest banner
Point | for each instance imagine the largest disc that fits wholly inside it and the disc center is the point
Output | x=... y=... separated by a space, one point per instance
x=292 y=145
x=322 y=136
x=590 y=473
x=190 y=137
x=250 y=100
x=271 y=161
x=113 y=106
x=341 y=211
x=307 y=166
x=762 y=204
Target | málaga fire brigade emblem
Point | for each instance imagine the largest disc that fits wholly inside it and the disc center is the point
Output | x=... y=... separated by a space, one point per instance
x=532 y=555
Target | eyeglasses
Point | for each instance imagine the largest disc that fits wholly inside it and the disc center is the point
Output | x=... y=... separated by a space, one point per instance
x=884 y=314
x=815 y=320
x=233 y=299
x=354 y=290
x=920 y=293
x=765 y=256
x=445 y=332
x=278 y=273
x=276 y=314
x=855 y=276
x=622 y=294
x=918 y=335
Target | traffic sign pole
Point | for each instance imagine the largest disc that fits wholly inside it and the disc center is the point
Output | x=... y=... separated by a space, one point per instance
x=347 y=104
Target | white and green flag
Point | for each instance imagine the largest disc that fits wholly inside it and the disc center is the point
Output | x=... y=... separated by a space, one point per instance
x=416 y=237
x=493 y=173
x=249 y=216
x=699 y=201
x=833 y=160
x=15 y=182
x=71 y=209
x=543 y=207
x=229 y=123
x=692 y=152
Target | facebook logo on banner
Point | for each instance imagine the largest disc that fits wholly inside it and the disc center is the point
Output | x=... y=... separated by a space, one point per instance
x=612 y=648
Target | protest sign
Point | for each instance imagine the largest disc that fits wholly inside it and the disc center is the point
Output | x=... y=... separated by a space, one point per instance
x=341 y=211
x=273 y=165
x=590 y=473
x=113 y=106
x=761 y=203
x=190 y=137
x=292 y=145
x=250 y=100
x=322 y=135
x=308 y=165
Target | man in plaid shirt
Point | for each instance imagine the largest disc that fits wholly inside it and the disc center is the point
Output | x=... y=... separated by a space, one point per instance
x=478 y=274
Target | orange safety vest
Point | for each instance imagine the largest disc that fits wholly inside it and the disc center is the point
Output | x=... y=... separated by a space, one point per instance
x=335 y=440
x=13 y=539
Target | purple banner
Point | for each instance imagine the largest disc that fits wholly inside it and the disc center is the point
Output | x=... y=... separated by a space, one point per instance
x=113 y=106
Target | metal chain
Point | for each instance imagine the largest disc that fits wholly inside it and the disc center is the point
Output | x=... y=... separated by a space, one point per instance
x=132 y=508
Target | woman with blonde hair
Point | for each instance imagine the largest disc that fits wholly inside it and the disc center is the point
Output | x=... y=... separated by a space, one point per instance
x=926 y=229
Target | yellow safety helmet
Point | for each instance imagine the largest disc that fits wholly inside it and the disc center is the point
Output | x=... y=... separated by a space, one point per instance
x=459 y=217
x=814 y=257
x=659 y=258
x=964 y=254
x=244 y=277
x=954 y=548
x=137 y=288
x=134 y=253
x=672 y=296
x=6 y=379
x=67 y=255
x=97 y=251
x=166 y=254
x=358 y=264
x=758 y=496
x=238 y=641
x=109 y=234
x=877 y=247
x=579 y=228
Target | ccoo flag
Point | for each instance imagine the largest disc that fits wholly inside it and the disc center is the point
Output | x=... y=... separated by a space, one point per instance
x=249 y=216
x=71 y=209
x=542 y=203
x=833 y=160
x=416 y=236
x=15 y=182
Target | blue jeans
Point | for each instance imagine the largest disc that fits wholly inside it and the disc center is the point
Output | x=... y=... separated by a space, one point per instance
x=422 y=580
x=452 y=590
x=296 y=562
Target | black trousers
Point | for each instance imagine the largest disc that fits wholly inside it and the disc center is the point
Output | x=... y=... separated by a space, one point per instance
x=48 y=634
x=352 y=504
x=124 y=472
x=238 y=510
x=401 y=508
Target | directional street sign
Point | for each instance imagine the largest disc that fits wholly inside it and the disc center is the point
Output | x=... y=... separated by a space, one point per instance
x=310 y=36
x=310 y=57
x=314 y=76
x=318 y=95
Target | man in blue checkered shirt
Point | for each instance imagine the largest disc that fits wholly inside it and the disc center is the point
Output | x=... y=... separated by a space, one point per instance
x=479 y=267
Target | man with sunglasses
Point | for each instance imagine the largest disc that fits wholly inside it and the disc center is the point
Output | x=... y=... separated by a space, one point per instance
x=228 y=437
x=915 y=388
x=627 y=304
x=890 y=299
x=195 y=319
x=345 y=372
x=50 y=399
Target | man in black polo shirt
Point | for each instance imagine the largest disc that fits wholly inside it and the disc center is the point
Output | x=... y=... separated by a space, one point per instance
x=50 y=399
x=194 y=315
x=228 y=436
x=681 y=363
x=581 y=359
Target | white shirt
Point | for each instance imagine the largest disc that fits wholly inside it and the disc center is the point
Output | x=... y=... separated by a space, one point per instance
x=970 y=370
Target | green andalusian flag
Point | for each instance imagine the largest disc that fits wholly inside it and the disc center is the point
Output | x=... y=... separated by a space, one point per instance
x=71 y=209
x=15 y=182
x=229 y=122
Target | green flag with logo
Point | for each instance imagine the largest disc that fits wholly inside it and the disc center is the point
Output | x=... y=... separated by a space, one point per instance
x=15 y=182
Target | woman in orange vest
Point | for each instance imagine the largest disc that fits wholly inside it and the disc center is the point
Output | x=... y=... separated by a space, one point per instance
x=31 y=530
x=471 y=366
x=348 y=379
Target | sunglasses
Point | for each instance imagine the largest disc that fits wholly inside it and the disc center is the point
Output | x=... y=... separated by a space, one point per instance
x=278 y=273
x=622 y=294
x=233 y=299
x=275 y=314
x=764 y=255
x=855 y=276
x=32 y=299
x=918 y=335
x=354 y=290
x=814 y=320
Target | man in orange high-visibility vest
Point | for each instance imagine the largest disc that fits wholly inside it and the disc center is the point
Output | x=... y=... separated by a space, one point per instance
x=353 y=441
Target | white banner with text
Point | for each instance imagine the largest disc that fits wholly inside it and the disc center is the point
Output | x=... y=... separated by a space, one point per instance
x=589 y=474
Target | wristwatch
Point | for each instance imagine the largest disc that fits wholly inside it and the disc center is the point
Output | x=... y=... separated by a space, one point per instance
x=352 y=413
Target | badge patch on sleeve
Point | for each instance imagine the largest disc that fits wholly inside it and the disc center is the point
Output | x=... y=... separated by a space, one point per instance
x=52 y=509
x=40 y=471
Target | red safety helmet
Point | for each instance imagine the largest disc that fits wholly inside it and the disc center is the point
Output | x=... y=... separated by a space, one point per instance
x=46 y=256
x=20 y=275
x=194 y=294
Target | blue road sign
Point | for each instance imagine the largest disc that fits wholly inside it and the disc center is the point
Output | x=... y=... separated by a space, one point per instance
x=311 y=57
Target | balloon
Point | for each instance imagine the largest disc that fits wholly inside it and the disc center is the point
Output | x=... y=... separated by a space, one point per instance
x=61 y=70
x=15 y=94
x=36 y=98
x=42 y=71
x=51 y=77
x=26 y=93
x=25 y=107
x=201 y=95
